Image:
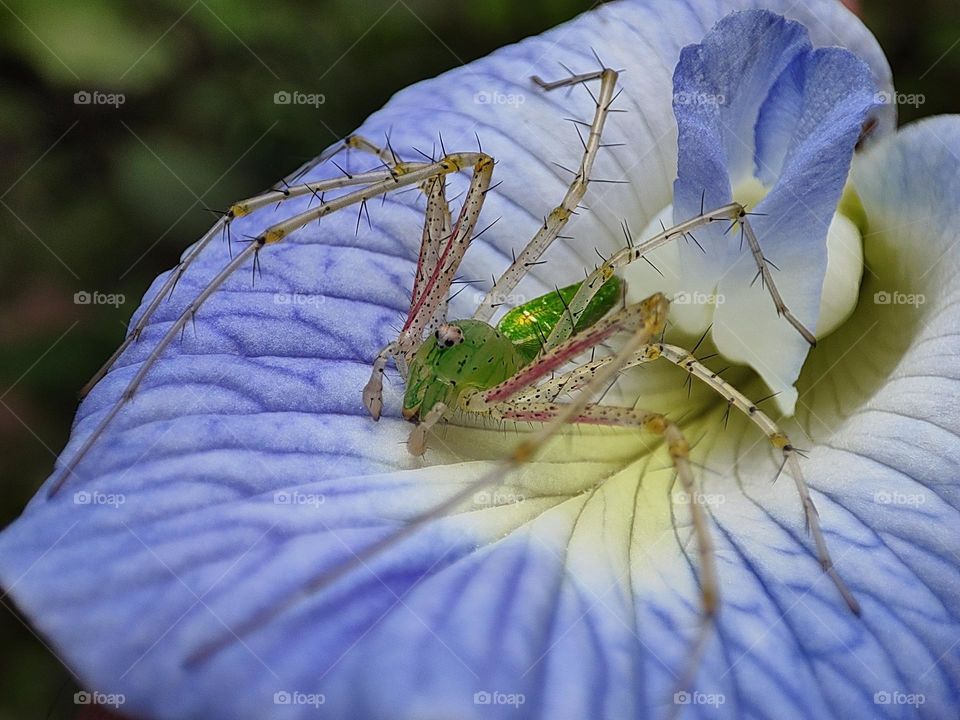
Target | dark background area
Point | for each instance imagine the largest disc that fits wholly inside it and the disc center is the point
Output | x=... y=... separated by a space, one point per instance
x=103 y=198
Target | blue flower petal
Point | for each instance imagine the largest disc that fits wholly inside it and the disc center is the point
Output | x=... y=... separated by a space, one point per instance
x=778 y=120
x=720 y=85
x=569 y=597
x=754 y=99
x=837 y=94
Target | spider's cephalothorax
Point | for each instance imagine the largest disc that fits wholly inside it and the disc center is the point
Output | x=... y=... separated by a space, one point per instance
x=444 y=368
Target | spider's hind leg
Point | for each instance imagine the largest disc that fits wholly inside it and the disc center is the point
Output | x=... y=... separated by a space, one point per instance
x=780 y=442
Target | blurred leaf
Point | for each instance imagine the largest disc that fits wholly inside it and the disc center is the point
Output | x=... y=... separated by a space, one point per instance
x=92 y=43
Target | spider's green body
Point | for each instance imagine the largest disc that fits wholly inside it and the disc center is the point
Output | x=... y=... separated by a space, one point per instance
x=473 y=355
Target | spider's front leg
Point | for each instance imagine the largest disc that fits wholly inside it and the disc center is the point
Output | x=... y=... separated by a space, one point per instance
x=287 y=188
x=372 y=185
x=441 y=252
x=780 y=442
x=733 y=213
x=580 y=377
x=554 y=223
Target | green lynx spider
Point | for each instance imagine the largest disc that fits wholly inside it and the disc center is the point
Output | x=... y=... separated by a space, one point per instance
x=472 y=367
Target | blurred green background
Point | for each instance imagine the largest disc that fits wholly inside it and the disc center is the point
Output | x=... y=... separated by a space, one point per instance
x=102 y=198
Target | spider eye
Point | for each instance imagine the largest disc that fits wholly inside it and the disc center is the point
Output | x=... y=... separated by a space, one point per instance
x=436 y=334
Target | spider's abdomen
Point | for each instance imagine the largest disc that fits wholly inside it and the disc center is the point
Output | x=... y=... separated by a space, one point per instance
x=528 y=325
x=476 y=358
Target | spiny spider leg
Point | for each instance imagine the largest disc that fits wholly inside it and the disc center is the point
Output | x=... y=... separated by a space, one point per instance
x=633 y=317
x=445 y=254
x=549 y=391
x=555 y=222
x=373 y=390
x=578 y=377
x=385 y=154
x=648 y=321
x=679 y=450
x=239 y=209
x=732 y=212
x=767 y=279
x=436 y=226
x=276 y=233
x=417 y=440
x=349 y=142
x=437 y=286
x=778 y=439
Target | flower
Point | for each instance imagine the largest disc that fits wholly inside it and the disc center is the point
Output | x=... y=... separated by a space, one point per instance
x=763 y=114
x=246 y=468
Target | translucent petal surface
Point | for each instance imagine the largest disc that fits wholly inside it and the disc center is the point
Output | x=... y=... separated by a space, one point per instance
x=578 y=596
x=793 y=220
x=754 y=99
